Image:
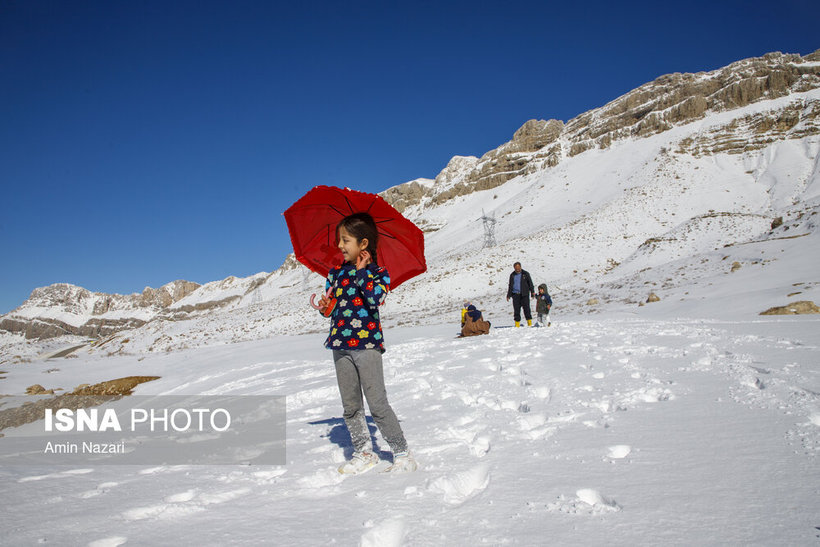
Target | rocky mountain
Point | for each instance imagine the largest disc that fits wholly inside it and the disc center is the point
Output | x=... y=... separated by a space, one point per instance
x=669 y=101
x=62 y=308
x=666 y=189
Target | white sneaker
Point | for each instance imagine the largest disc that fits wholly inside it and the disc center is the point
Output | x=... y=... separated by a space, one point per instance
x=403 y=462
x=359 y=463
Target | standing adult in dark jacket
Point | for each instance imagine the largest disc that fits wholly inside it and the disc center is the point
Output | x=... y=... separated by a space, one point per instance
x=521 y=289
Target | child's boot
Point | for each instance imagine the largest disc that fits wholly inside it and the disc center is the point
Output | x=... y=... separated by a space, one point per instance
x=529 y=322
x=403 y=462
x=518 y=323
x=359 y=463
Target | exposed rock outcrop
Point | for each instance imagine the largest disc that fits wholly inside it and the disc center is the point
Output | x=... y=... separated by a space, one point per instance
x=795 y=308
x=50 y=327
x=409 y=193
x=83 y=396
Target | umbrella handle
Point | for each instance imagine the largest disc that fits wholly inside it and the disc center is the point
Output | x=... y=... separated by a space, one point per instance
x=314 y=304
x=327 y=309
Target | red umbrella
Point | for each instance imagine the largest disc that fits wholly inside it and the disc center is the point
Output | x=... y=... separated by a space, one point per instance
x=312 y=222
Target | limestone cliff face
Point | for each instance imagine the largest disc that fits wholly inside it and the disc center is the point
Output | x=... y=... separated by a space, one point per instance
x=797 y=119
x=669 y=101
x=676 y=99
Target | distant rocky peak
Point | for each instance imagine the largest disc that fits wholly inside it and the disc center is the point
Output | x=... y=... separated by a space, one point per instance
x=456 y=169
x=167 y=294
x=70 y=298
x=63 y=308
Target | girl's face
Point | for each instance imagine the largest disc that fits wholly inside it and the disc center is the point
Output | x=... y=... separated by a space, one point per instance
x=349 y=246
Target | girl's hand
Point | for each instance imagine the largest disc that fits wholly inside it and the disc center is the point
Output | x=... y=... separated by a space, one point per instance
x=363 y=260
x=324 y=301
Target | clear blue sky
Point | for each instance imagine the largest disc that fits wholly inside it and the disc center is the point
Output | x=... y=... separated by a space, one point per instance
x=143 y=142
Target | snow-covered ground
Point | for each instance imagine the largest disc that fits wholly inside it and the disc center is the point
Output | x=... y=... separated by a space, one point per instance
x=612 y=430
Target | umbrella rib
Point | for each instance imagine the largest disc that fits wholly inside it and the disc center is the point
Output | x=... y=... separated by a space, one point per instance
x=384 y=221
x=338 y=211
x=349 y=205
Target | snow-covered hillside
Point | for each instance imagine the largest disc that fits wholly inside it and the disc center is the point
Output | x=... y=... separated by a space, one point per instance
x=689 y=420
x=606 y=225
x=675 y=169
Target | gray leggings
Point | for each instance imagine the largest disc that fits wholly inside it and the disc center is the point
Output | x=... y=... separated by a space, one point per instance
x=362 y=370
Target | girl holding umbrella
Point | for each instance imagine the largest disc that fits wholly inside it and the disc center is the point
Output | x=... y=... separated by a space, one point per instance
x=353 y=292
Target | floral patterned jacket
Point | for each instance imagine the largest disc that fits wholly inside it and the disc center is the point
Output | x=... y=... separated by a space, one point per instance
x=354 y=323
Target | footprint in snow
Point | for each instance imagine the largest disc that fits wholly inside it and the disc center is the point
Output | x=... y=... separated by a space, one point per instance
x=388 y=533
x=586 y=502
x=101 y=489
x=162 y=511
x=465 y=420
x=182 y=504
x=480 y=446
x=462 y=486
x=112 y=541
x=266 y=476
x=321 y=479
x=541 y=392
x=619 y=451
x=181 y=497
x=60 y=475
x=595 y=499
x=159 y=469
x=531 y=420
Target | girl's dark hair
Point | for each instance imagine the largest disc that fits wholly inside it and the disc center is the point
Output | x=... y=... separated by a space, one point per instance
x=362 y=226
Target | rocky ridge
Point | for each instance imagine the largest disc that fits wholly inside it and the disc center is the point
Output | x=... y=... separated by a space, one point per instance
x=669 y=101
x=69 y=308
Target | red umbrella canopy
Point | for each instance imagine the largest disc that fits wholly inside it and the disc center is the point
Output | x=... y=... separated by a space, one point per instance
x=312 y=222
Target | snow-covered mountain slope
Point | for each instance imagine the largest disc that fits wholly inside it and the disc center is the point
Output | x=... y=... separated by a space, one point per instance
x=672 y=212
x=690 y=420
